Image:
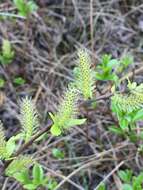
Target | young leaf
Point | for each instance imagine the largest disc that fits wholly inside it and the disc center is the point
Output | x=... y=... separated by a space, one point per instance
x=10 y=146
x=138 y=115
x=19 y=81
x=57 y=153
x=116 y=130
x=23 y=177
x=2 y=83
x=38 y=174
x=74 y=122
x=137 y=182
x=18 y=165
x=25 y=8
x=55 y=130
x=127 y=187
x=125 y=175
x=102 y=187
x=30 y=186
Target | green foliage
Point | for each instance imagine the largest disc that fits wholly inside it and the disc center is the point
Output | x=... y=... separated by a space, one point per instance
x=38 y=179
x=127 y=187
x=28 y=118
x=84 y=75
x=109 y=68
x=24 y=7
x=52 y=183
x=104 y=71
x=67 y=110
x=102 y=187
x=57 y=153
x=116 y=130
x=6 y=147
x=18 y=165
x=2 y=82
x=128 y=109
x=125 y=62
x=125 y=175
x=129 y=181
x=19 y=81
x=6 y=54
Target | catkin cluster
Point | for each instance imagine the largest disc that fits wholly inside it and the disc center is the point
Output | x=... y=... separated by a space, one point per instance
x=83 y=85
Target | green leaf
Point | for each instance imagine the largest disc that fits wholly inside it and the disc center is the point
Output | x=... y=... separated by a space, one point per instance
x=116 y=130
x=127 y=187
x=10 y=146
x=2 y=83
x=57 y=153
x=74 y=122
x=19 y=81
x=24 y=7
x=30 y=187
x=123 y=123
x=137 y=181
x=22 y=177
x=38 y=174
x=18 y=165
x=127 y=60
x=19 y=4
x=138 y=115
x=32 y=6
x=102 y=187
x=112 y=63
x=55 y=130
x=125 y=175
x=51 y=184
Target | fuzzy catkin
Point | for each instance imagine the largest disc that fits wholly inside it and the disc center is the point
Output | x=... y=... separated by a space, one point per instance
x=128 y=103
x=68 y=107
x=85 y=74
x=28 y=117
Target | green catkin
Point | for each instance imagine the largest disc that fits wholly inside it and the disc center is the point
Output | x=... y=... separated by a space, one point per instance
x=28 y=117
x=129 y=102
x=85 y=77
x=68 y=107
x=66 y=113
x=7 y=53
